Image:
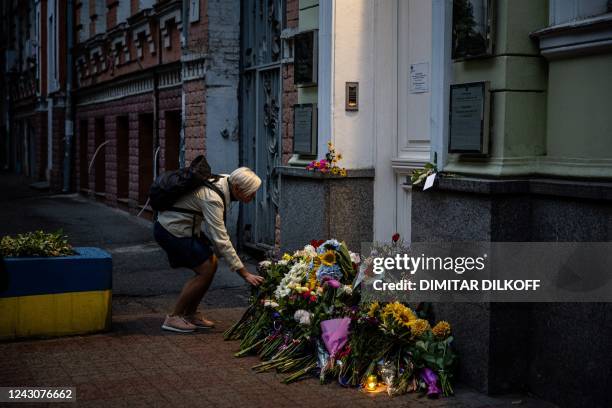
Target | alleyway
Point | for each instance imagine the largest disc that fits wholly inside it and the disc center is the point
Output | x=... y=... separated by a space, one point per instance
x=137 y=364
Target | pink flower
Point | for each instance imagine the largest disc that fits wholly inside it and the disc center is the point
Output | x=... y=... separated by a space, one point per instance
x=332 y=283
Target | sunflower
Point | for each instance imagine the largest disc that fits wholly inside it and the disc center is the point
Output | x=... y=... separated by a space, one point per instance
x=328 y=258
x=405 y=317
x=418 y=327
x=374 y=307
x=441 y=330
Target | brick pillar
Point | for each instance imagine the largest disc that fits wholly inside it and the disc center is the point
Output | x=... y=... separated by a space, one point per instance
x=195 y=120
x=110 y=150
x=58 y=124
x=133 y=161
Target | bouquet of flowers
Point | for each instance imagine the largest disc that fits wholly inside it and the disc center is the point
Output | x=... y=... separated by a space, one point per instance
x=308 y=318
x=328 y=165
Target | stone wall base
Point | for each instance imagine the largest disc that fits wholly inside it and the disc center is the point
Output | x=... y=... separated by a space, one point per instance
x=317 y=206
x=555 y=350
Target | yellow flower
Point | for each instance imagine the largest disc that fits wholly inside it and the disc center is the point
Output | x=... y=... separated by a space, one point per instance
x=343 y=172
x=339 y=156
x=287 y=257
x=334 y=170
x=418 y=327
x=374 y=306
x=328 y=258
x=402 y=314
x=442 y=330
x=405 y=317
x=312 y=280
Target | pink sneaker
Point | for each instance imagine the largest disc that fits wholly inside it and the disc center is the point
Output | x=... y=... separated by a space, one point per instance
x=178 y=324
x=200 y=321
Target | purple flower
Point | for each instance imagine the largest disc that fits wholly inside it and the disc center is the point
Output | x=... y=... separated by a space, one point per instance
x=431 y=379
x=332 y=283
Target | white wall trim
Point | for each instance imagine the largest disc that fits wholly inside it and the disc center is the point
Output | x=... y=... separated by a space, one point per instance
x=586 y=36
x=385 y=117
x=325 y=94
x=441 y=74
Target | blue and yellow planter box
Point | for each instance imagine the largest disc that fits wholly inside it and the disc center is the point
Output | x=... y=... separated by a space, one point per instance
x=57 y=296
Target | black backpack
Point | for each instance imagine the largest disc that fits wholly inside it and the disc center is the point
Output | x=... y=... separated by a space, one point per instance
x=168 y=188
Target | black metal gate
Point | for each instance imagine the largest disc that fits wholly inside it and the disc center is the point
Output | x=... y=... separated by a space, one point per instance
x=261 y=114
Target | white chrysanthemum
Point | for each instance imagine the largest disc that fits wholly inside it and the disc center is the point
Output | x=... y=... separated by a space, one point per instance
x=308 y=252
x=296 y=275
x=283 y=262
x=302 y=317
x=270 y=303
x=265 y=264
x=355 y=258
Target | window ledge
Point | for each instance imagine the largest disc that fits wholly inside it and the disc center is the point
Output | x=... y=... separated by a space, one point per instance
x=582 y=37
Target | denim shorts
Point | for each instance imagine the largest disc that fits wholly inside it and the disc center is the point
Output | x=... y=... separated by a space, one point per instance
x=182 y=252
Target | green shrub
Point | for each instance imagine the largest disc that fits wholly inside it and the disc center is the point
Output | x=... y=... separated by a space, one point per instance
x=36 y=243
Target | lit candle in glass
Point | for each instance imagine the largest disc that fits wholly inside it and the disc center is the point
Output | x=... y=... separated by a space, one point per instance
x=372 y=382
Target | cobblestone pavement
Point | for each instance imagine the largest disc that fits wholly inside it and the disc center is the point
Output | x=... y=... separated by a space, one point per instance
x=136 y=364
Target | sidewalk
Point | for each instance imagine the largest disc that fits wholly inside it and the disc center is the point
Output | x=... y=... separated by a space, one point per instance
x=137 y=364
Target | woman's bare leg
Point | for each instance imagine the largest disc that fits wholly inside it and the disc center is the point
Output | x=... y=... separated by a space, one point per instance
x=196 y=287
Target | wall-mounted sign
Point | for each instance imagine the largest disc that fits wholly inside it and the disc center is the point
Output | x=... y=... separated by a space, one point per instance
x=472 y=28
x=305 y=58
x=469 y=118
x=419 y=77
x=305 y=129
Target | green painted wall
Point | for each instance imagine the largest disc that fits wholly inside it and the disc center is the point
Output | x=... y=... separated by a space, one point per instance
x=547 y=117
x=518 y=82
x=580 y=107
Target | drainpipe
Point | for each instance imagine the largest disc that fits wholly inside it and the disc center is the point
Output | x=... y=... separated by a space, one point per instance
x=156 y=102
x=69 y=124
x=184 y=42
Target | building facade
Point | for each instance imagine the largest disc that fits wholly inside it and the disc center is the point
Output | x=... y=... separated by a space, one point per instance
x=535 y=168
x=266 y=84
x=34 y=80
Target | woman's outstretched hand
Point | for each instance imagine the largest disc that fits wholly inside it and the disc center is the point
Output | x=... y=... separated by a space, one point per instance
x=254 y=280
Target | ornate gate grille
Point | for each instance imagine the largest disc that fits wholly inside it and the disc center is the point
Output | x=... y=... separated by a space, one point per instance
x=261 y=114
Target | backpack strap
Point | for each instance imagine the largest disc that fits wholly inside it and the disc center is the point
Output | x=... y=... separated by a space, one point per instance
x=217 y=190
x=213 y=187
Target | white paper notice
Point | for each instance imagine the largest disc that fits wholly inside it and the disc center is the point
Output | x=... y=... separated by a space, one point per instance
x=429 y=181
x=419 y=77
